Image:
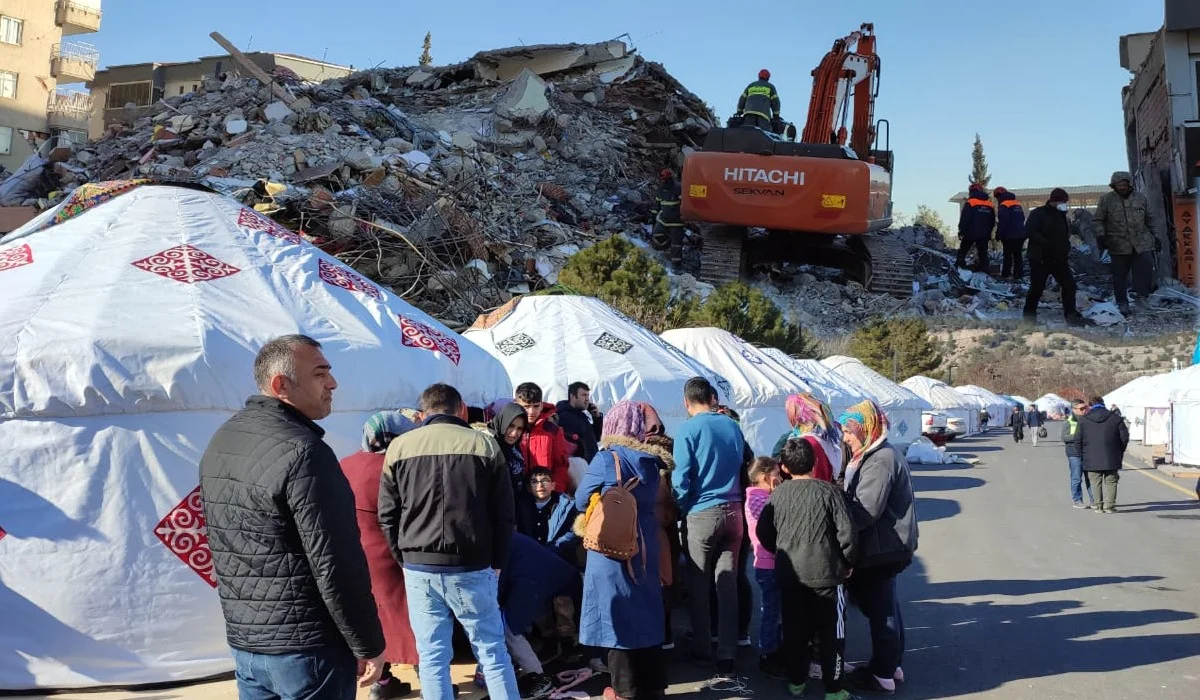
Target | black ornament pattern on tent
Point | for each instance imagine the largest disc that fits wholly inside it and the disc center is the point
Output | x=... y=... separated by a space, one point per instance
x=515 y=343
x=612 y=343
x=751 y=357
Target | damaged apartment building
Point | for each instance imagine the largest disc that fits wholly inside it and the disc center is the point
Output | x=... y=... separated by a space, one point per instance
x=1162 y=127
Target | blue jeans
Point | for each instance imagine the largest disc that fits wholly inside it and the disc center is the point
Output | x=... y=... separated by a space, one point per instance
x=434 y=601
x=769 y=624
x=325 y=675
x=1078 y=478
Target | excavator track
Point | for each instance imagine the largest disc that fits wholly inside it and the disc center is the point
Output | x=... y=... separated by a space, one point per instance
x=889 y=267
x=724 y=256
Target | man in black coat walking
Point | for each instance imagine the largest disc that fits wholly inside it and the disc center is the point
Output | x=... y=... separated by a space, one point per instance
x=1018 y=424
x=1103 y=438
x=291 y=573
x=1049 y=235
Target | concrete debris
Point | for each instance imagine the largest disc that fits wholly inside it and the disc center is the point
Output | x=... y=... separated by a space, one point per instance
x=456 y=186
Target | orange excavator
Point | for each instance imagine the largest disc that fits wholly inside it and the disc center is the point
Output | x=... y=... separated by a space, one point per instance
x=759 y=197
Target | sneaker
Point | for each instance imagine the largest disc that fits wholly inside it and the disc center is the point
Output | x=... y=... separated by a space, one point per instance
x=393 y=688
x=898 y=676
x=770 y=667
x=744 y=641
x=862 y=680
x=1080 y=505
x=668 y=646
x=797 y=691
x=1110 y=510
x=535 y=685
x=841 y=695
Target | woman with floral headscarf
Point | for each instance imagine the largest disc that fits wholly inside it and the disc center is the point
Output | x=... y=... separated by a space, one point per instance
x=363 y=470
x=812 y=421
x=883 y=510
x=621 y=613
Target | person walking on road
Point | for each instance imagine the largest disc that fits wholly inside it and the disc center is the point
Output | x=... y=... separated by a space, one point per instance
x=1034 y=420
x=293 y=581
x=1070 y=439
x=446 y=508
x=1126 y=229
x=1103 y=438
x=1018 y=424
x=709 y=452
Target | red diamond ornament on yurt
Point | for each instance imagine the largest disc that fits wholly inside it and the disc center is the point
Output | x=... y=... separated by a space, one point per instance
x=341 y=276
x=15 y=257
x=185 y=263
x=183 y=532
x=415 y=334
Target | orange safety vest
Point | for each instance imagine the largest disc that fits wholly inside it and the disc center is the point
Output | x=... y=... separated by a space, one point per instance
x=979 y=203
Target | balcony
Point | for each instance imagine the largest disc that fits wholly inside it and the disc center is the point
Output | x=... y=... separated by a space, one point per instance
x=73 y=63
x=69 y=111
x=77 y=16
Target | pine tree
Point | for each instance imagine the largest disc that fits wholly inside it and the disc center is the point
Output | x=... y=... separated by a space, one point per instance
x=426 y=58
x=979 y=166
x=623 y=276
x=751 y=315
x=896 y=348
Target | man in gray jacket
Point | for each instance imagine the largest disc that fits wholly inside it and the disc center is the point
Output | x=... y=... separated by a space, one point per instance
x=1126 y=228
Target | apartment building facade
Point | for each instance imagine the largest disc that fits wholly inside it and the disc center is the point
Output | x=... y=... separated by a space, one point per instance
x=38 y=57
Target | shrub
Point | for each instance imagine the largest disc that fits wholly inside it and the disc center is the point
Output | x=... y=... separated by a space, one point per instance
x=902 y=345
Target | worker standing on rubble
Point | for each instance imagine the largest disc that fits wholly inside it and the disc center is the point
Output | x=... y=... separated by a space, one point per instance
x=975 y=225
x=1127 y=231
x=759 y=104
x=1010 y=231
x=668 y=224
x=1049 y=235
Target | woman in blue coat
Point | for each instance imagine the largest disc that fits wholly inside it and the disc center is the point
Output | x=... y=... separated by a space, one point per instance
x=619 y=613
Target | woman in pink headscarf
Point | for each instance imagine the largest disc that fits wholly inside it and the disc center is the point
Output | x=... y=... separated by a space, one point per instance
x=812 y=421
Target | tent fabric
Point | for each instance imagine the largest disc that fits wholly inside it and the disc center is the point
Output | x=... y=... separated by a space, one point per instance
x=1054 y=406
x=828 y=385
x=947 y=400
x=902 y=406
x=760 y=385
x=128 y=333
x=1186 y=384
x=555 y=340
x=997 y=407
x=1133 y=400
x=1185 y=444
x=1023 y=402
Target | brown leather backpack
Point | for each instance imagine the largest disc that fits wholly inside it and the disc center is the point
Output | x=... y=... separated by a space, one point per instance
x=612 y=529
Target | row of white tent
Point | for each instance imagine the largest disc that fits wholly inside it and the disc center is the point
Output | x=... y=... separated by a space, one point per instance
x=128 y=329
x=1159 y=408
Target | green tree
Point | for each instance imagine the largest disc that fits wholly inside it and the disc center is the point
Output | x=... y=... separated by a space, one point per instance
x=896 y=348
x=748 y=313
x=929 y=218
x=620 y=274
x=426 y=58
x=979 y=166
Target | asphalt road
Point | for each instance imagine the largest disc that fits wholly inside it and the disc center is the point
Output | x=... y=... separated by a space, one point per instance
x=1015 y=594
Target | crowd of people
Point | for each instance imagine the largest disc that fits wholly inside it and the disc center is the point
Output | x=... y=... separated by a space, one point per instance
x=330 y=574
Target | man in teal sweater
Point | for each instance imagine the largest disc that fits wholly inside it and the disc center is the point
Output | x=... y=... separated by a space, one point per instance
x=708 y=455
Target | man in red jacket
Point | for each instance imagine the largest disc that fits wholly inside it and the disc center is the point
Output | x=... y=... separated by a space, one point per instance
x=544 y=444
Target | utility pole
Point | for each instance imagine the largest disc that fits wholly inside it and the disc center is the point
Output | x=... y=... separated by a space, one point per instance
x=895 y=365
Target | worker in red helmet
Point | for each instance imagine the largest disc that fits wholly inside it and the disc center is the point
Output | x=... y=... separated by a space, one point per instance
x=668 y=223
x=759 y=104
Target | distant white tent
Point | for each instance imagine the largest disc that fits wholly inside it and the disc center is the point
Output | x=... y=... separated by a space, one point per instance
x=1054 y=406
x=997 y=407
x=129 y=324
x=902 y=406
x=828 y=385
x=946 y=400
x=760 y=385
x=1154 y=392
x=555 y=340
x=1023 y=402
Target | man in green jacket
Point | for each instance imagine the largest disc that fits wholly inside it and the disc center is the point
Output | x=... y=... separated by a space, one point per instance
x=759 y=104
x=1126 y=229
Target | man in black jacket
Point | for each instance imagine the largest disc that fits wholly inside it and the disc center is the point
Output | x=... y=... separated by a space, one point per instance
x=291 y=574
x=446 y=509
x=1049 y=252
x=1103 y=438
x=1018 y=424
x=580 y=420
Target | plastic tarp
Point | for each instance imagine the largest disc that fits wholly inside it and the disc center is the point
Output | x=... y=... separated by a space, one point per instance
x=760 y=385
x=829 y=385
x=1054 y=406
x=947 y=400
x=1185 y=444
x=923 y=451
x=902 y=406
x=1157 y=429
x=556 y=340
x=998 y=408
x=127 y=336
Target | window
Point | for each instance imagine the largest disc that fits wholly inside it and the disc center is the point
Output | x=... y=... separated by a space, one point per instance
x=8 y=84
x=125 y=93
x=6 y=134
x=180 y=89
x=10 y=30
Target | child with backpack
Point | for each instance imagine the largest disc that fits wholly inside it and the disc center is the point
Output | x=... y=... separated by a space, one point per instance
x=764 y=476
x=807 y=526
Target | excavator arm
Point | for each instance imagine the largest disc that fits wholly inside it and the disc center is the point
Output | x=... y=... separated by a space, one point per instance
x=851 y=65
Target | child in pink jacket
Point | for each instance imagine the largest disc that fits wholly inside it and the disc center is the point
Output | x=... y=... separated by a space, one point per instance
x=764 y=477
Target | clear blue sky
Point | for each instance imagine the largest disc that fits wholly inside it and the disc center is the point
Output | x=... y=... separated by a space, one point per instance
x=1040 y=80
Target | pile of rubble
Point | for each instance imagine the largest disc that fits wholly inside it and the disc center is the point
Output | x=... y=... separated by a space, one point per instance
x=457 y=186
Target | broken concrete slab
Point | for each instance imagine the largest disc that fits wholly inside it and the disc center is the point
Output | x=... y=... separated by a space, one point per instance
x=418 y=77
x=463 y=140
x=525 y=98
x=277 y=111
x=546 y=59
x=236 y=126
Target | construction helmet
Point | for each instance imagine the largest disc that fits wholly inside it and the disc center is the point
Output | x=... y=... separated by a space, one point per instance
x=665 y=174
x=999 y=191
x=764 y=74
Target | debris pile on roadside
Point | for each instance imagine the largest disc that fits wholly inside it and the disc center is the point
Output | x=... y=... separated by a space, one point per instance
x=457 y=186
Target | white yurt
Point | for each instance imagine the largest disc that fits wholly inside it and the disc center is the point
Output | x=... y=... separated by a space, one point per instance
x=946 y=400
x=1023 y=402
x=1117 y=397
x=758 y=384
x=826 y=384
x=555 y=340
x=1185 y=413
x=129 y=323
x=1154 y=393
x=997 y=407
x=902 y=406
x=1054 y=406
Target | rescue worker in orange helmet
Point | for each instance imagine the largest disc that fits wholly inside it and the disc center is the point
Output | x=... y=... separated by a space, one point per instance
x=975 y=226
x=759 y=104
x=668 y=223
x=1010 y=231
